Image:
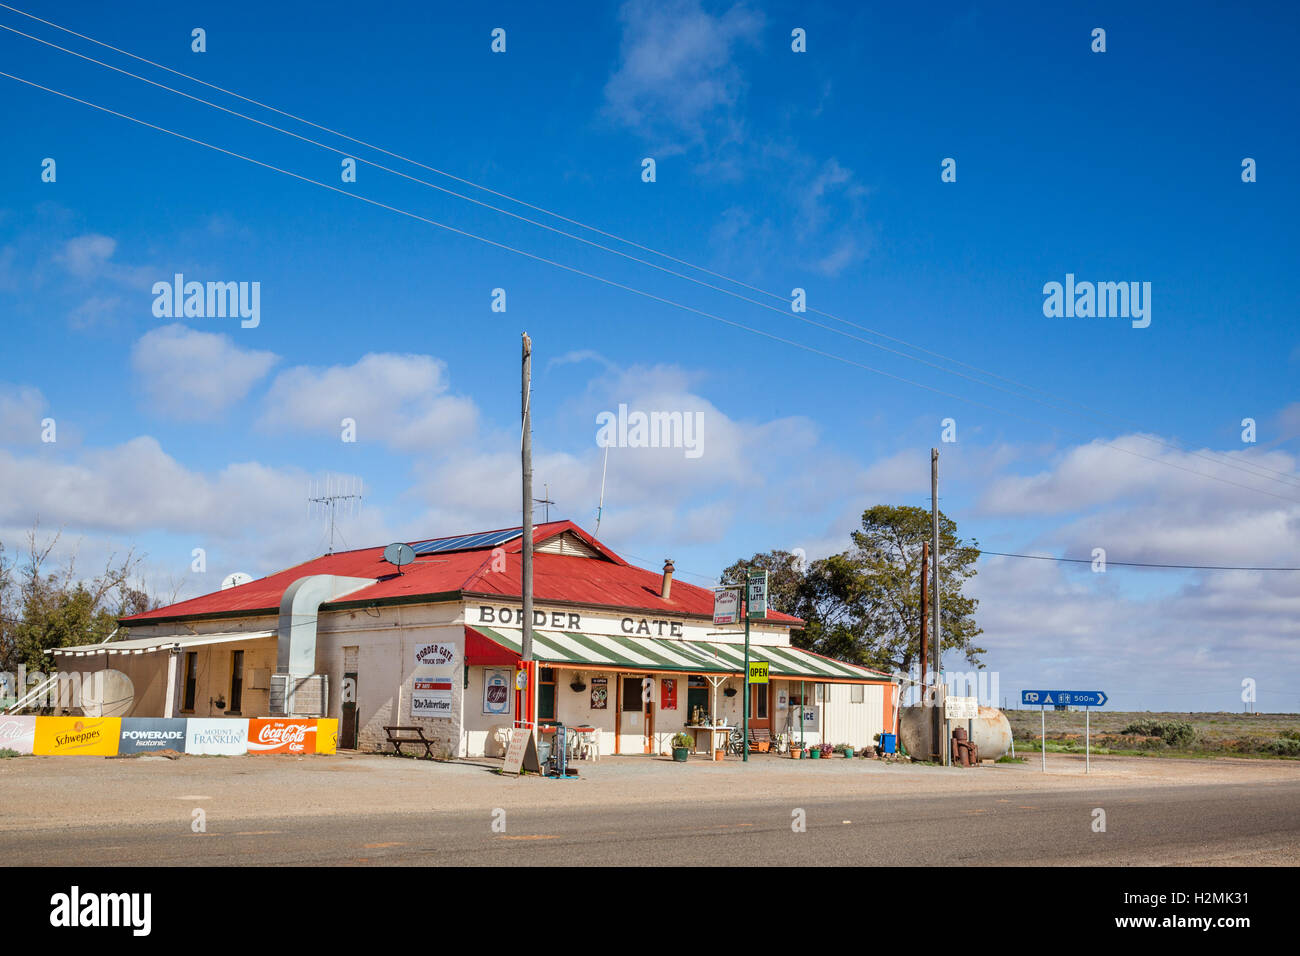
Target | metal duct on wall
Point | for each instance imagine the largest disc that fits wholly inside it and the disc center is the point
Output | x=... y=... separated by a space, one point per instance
x=296 y=634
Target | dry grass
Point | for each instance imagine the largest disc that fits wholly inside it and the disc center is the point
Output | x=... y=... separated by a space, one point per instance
x=1216 y=733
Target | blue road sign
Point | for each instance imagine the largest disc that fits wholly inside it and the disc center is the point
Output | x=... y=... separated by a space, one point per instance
x=1072 y=698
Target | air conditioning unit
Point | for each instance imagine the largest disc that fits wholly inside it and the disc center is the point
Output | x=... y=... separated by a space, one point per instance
x=299 y=696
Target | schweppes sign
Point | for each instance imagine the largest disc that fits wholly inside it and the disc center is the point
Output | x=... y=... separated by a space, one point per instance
x=91 y=736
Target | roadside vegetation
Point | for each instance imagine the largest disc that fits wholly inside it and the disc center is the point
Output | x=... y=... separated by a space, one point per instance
x=1161 y=734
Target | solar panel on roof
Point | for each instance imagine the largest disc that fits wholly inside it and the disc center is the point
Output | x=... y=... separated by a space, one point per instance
x=467 y=542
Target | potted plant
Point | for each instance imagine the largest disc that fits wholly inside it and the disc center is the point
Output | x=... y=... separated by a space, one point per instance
x=577 y=685
x=815 y=752
x=846 y=749
x=796 y=749
x=682 y=744
x=826 y=751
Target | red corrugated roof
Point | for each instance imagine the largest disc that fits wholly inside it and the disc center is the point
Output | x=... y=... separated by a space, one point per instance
x=606 y=581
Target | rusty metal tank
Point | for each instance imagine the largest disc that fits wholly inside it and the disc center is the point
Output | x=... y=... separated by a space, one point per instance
x=990 y=732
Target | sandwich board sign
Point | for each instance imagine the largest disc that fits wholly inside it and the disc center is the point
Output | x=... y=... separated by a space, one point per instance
x=522 y=753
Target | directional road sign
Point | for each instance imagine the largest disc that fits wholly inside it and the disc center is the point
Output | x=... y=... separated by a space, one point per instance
x=1072 y=698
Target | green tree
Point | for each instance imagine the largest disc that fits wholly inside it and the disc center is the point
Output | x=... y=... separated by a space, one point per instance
x=55 y=607
x=784 y=578
x=864 y=604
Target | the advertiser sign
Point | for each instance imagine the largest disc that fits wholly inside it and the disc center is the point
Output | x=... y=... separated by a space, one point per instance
x=431 y=697
x=432 y=681
x=76 y=736
x=216 y=736
x=17 y=734
x=282 y=735
x=145 y=734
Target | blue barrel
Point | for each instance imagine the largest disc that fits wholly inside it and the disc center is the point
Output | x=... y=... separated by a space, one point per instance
x=887 y=743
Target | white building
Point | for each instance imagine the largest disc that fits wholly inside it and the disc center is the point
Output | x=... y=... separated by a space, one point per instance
x=625 y=650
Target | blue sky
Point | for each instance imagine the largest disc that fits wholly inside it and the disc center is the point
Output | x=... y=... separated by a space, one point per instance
x=818 y=170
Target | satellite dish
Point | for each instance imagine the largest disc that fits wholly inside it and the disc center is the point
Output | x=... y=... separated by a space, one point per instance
x=107 y=693
x=399 y=554
x=235 y=579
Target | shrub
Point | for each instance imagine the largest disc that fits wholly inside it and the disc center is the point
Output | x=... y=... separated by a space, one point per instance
x=1285 y=747
x=1176 y=733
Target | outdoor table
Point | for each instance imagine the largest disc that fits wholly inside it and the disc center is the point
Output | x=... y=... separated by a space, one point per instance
x=714 y=730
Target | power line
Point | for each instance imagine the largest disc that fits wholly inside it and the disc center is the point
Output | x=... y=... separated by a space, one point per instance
x=1253 y=469
x=1132 y=564
x=627 y=288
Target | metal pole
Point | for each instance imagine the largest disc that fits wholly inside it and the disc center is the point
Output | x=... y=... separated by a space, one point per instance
x=1043 y=711
x=745 y=695
x=1087 y=735
x=802 y=703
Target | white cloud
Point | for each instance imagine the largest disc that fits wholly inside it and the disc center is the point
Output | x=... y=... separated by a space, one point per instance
x=195 y=376
x=401 y=400
x=677 y=80
x=90 y=257
x=21 y=409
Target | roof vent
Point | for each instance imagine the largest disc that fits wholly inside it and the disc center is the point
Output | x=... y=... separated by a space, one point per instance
x=667 y=589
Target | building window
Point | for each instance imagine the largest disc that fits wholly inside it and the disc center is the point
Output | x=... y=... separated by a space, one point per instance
x=758 y=702
x=857 y=693
x=236 y=681
x=546 y=693
x=191 y=679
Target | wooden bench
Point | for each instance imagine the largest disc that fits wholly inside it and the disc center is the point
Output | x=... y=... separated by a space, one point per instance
x=419 y=738
x=760 y=740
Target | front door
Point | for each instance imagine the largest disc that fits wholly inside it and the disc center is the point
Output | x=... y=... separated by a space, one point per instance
x=348 y=726
x=636 y=717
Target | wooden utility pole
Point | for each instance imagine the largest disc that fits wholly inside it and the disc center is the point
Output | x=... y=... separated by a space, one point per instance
x=934 y=588
x=925 y=600
x=526 y=576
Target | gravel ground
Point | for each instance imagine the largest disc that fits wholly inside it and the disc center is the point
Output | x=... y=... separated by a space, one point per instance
x=45 y=792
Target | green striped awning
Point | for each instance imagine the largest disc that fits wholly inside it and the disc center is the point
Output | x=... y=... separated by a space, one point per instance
x=661 y=654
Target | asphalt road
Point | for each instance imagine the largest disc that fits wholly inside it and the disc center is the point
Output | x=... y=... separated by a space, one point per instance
x=1189 y=825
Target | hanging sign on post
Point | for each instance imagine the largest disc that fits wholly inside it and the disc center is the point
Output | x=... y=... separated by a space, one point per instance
x=726 y=606
x=757 y=594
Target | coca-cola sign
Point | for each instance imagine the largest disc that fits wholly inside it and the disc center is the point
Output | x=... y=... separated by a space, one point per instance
x=281 y=736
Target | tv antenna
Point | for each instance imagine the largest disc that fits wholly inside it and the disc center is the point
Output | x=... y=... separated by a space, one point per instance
x=600 y=508
x=545 y=502
x=332 y=496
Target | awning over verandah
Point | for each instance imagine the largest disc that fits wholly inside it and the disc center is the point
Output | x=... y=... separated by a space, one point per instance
x=487 y=645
